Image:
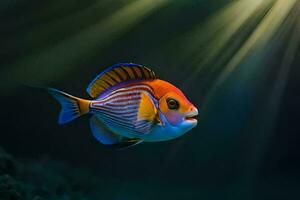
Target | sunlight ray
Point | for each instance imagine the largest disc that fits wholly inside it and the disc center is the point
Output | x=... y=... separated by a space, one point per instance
x=261 y=35
x=208 y=41
x=269 y=112
x=53 y=63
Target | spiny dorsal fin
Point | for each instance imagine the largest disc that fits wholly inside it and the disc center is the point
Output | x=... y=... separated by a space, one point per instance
x=116 y=74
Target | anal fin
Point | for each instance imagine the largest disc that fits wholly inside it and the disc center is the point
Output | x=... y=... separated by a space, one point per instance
x=126 y=143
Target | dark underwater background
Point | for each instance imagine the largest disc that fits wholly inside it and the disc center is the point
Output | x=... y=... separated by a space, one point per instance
x=236 y=60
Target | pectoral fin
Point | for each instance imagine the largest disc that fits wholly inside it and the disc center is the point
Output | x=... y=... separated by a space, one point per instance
x=147 y=110
x=147 y=114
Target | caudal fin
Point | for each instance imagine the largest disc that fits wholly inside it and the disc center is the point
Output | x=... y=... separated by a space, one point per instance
x=71 y=107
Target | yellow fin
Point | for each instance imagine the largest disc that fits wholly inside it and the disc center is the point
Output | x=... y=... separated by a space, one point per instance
x=71 y=107
x=118 y=73
x=147 y=110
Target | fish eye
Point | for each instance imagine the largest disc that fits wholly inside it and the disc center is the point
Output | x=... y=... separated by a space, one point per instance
x=173 y=104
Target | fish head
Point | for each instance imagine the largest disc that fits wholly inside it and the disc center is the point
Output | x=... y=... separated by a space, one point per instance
x=178 y=110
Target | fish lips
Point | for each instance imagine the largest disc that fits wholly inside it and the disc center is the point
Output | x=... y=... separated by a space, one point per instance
x=192 y=116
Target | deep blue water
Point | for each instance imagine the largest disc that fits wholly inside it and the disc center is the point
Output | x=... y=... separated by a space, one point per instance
x=242 y=77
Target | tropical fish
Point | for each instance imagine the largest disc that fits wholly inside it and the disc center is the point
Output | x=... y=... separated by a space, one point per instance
x=130 y=105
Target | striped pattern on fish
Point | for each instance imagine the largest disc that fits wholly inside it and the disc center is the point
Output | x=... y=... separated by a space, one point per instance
x=130 y=105
x=121 y=107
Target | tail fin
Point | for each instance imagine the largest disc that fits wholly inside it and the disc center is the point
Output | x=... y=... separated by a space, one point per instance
x=71 y=107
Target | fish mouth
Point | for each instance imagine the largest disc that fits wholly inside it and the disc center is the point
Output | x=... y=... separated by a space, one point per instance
x=192 y=116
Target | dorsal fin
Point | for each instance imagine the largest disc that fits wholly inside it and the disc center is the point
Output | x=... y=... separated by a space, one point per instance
x=118 y=73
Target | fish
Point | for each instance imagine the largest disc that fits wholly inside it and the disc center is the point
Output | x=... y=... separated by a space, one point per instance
x=130 y=105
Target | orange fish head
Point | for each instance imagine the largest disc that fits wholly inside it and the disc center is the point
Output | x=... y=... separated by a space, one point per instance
x=178 y=110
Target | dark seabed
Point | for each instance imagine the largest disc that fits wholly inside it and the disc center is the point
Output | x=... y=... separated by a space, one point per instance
x=236 y=60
